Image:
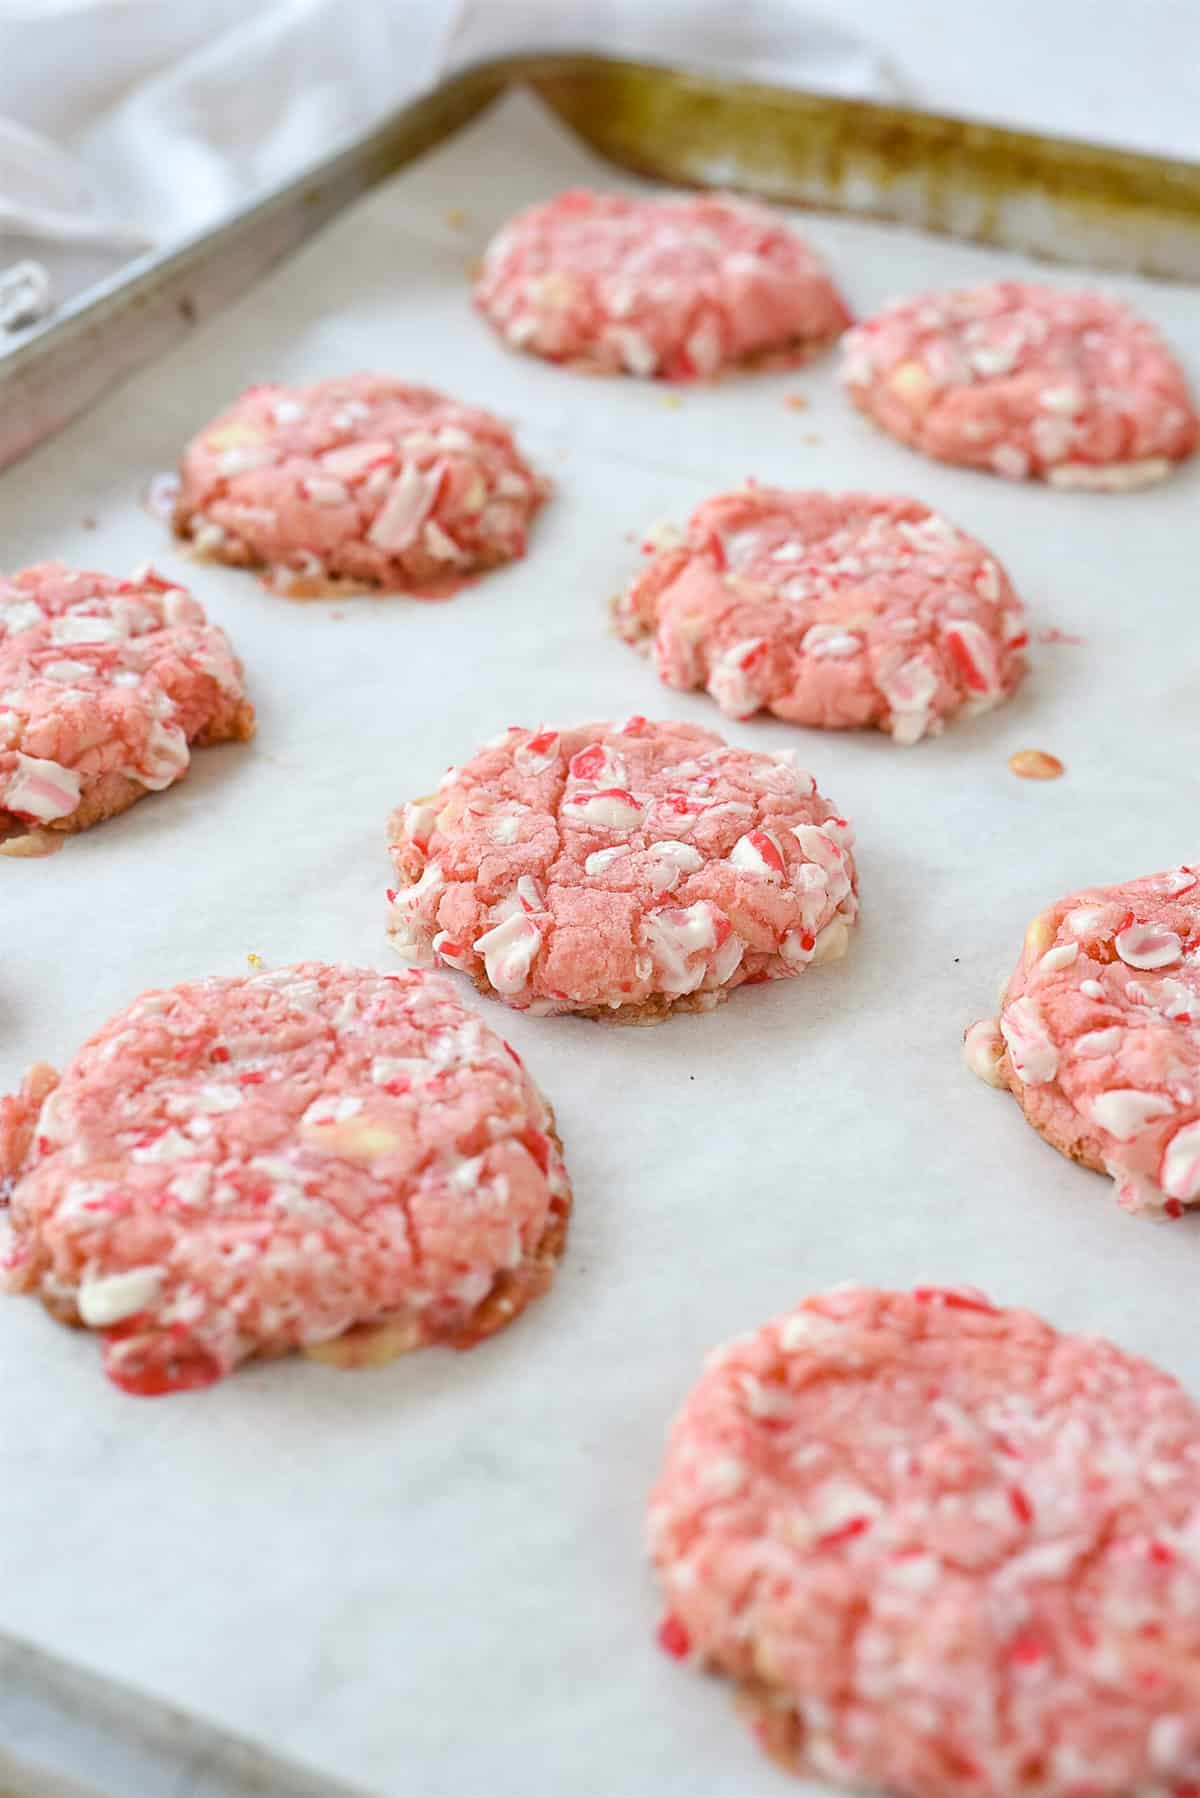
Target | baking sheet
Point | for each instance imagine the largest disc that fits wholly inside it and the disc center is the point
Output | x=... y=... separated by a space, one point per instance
x=430 y=1578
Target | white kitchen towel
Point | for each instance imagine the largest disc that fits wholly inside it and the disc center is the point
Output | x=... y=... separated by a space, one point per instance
x=130 y=122
x=125 y=123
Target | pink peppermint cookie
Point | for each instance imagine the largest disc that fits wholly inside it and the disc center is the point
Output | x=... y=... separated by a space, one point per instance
x=1025 y=381
x=1097 y=1035
x=105 y=685
x=829 y=609
x=317 y=1158
x=362 y=479
x=943 y=1550
x=621 y=870
x=677 y=287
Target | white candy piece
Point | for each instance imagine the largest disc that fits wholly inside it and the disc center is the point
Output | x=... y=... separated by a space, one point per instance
x=41 y=789
x=983 y=1051
x=732 y=681
x=598 y=766
x=612 y=810
x=1125 y=1113
x=1178 y=880
x=243 y=458
x=1099 y=1042
x=1061 y=956
x=1110 y=477
x=508 y=952
x=1145 y=946
x=676 y=936
x=830 y=643
x=325 y=490
x=602 y=859
x=973 y=646
x=113 y=1297
x=1009 y=461
x=1033 y=1056
x=78 y=627
x=667 y=863
x=759 y=853
x=406 y=508
x=537 y=753
x=419 y=820
x=1085 y=919
x=908 y=691
x=1179 y=1175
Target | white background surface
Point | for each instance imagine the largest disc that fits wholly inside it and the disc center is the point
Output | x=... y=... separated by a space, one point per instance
x=429 y=1579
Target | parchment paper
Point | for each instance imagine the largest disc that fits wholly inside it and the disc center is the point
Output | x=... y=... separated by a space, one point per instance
x=429 y=1579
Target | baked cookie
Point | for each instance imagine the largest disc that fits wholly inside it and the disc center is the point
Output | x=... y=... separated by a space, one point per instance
x=1097 y=1037
x=678 y=287
x=1025 y=381
x=829 y=609
x=621 y=870
x=360 y=479
x=943 y=1550
x=318 y=1158
x=105 y=686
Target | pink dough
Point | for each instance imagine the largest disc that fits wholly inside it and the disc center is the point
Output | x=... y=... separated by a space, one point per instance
x=238 y=1167
x=361 y=478
x=1097 y=1035
x=829 y=609
x=945 y=1551
x=1021 y=380
x=621 y=869
x=677 y=287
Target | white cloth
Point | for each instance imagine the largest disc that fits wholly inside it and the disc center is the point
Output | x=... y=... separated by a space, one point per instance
x=126 y=123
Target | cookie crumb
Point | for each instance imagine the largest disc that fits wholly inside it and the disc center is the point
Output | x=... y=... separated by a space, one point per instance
x=255 y=961
x=456 y=218
x=795 y=402
x=1035 y=764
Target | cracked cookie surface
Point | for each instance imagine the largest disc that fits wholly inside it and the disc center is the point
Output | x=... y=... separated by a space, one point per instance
x=621 y=870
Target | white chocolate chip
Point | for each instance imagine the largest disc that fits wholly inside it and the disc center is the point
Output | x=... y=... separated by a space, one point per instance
x=983 y=1050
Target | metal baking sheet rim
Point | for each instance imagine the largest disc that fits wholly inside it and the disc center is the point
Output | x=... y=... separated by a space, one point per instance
x=1067 y=201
